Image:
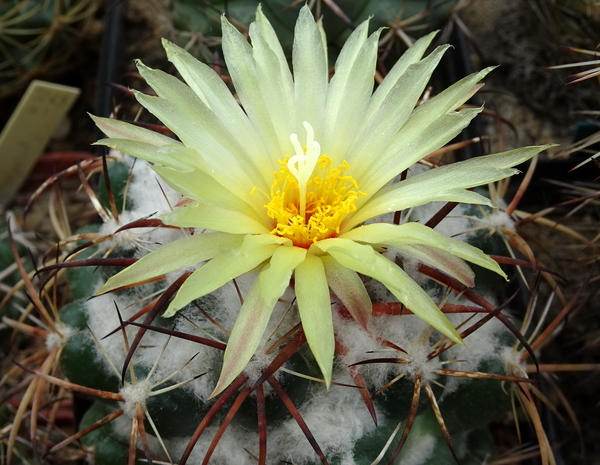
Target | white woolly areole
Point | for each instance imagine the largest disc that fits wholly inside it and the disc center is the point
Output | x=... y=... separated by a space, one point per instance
x=234 y=448
x=406 y=331
x=133 y=394
x=146 y=191
x=481 y=345
x=496 y=221
x=258 y=364
x=418 y=449
x=127 y=239
x=417 y=352
x=337 y=418
x=512 y=361
x=147 y=199
x=102 y=319
x=55 y=339
x=117 y=155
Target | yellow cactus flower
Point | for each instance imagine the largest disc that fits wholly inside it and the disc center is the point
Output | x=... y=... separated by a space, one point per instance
x=286 y=178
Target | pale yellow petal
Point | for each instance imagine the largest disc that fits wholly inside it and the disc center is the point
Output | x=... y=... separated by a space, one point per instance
x=382 y=122
x=218 y=271
x=448 y=183
x=349 y=92
x=409 y=146
x=241 y=65
x=203 y=216
x=443 y=261
x=116 y=129
x=365 y=260
x=209 y=86
x=393 y=235
x=199 y=186
x=275 y=277
x=160 y=155
x=349 y=288
x=180 y=109
x=412 y=55
x=175 y=255
x=310 y=71
x=245 y=336
x=274 y=78
x=314 y=306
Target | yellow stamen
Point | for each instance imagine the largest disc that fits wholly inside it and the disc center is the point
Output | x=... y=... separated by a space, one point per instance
x=309 y=200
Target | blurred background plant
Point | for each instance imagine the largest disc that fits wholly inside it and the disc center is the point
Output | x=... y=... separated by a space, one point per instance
x=38 y=39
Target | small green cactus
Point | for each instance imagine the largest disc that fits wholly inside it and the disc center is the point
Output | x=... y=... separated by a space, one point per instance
x=38 y=37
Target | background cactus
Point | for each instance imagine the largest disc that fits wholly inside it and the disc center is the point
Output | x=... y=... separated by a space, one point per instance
x=37 y=38
x=417 y=16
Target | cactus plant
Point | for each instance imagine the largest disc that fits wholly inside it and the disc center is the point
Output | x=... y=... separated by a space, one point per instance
x=340 y=419
x=199 y=23
x=37 y=38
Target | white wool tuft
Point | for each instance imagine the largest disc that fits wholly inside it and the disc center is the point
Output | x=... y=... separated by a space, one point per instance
x=235 y=447
x=418 y=449
x=512 y=361
x=483 y=344
x=257 y=365
x=127 y=239
x=337 y=418
x=146 y=191
x=133 y=394
x=55 y=339
x=406 y=331
x=189 y=359
x=103 y=319
x=147 y=199
x=117 y=155
x=496 y=221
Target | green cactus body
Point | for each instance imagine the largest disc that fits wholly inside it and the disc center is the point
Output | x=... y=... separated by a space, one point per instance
x=106 y=446
x=118 y=173
x=80 y=351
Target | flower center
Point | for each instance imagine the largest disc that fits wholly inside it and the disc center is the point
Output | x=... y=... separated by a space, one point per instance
x=309 y=200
